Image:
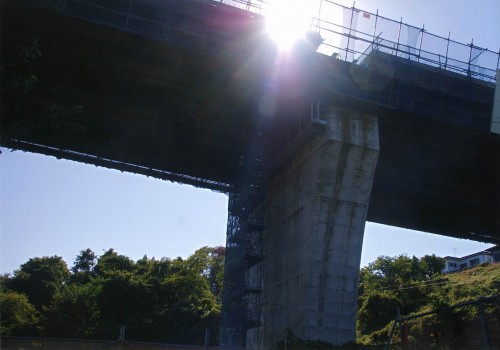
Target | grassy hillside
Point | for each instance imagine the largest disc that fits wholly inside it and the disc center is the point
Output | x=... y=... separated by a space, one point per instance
x=437 y=293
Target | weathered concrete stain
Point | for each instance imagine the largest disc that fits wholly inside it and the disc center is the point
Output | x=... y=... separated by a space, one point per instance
x=313 y=244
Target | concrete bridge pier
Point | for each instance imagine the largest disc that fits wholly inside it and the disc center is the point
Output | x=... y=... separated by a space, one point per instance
x=317 y=207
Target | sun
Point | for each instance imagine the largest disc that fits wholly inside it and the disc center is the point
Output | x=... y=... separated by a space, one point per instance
x=288 y=20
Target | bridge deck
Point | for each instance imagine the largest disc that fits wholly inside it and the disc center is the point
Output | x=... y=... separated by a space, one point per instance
x=166 y=111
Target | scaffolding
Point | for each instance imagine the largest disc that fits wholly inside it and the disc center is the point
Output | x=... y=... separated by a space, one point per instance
x=244 y=262
x=348 y=33
x=361 y=32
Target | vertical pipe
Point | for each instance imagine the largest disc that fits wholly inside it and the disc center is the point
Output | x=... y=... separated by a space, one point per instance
x=498 y=60
x=470 y=56
x=447 y=47
x=350 y=28
x=319 y=16
x=375 y=27
x=399 y=35
x=421 y=40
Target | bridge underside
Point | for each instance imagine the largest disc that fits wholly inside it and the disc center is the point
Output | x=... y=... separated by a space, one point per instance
x=160 y=110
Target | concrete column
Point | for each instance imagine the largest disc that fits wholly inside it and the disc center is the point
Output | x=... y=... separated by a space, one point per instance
x=317 y=206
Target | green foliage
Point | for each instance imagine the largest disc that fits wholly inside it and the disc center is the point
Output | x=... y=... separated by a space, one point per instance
x=73 y=312
x=84 y=262
x=111 y=263
x=83 y=267
x=209 y=262
x=415 y=286
x=40 y=278
x=157 y=300
x=385 y=302
x=19 y=317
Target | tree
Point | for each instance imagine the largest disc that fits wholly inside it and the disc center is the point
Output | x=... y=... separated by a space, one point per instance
x=19 y=316
x=391 y=282
x=83 y=267
x=73 y=312
x=159 y=300
x=40 y=278
x=111 y=262
x=188 y=306
x=432 y=265
x=84 y=262
x=377 y=309
x=209 y=263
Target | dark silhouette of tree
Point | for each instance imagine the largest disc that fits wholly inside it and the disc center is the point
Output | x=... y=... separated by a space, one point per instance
x=84 y=262
x=40 y=278
x=83 y=267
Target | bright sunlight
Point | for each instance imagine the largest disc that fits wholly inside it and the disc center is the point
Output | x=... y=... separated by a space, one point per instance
x=288 y=20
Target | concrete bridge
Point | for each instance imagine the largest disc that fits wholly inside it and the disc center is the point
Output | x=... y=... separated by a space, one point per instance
x=308 y=145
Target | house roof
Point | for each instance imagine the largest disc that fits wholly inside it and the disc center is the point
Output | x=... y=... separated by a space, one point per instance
x=488 y=251
x=484 y=252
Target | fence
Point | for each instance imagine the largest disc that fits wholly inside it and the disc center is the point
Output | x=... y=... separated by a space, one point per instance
x=469 y=325
x=28 y=343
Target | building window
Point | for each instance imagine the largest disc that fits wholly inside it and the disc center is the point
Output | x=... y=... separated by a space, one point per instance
x=452 y=265
x=463 y=266
x=474 y=262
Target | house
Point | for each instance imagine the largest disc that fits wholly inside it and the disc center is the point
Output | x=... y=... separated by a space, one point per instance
x=453 y=263
x=495 y=253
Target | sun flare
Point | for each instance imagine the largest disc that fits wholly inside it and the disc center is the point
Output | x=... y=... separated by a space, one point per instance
x=287 y=21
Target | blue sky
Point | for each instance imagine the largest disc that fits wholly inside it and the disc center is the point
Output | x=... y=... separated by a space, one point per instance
x=59 y=207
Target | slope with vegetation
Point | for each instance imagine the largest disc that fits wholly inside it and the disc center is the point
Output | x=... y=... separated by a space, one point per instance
x=414 y=286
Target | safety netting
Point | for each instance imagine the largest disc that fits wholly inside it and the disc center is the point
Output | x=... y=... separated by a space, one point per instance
x=352 y=34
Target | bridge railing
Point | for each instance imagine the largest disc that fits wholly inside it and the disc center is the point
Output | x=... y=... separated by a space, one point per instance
x=351 y=34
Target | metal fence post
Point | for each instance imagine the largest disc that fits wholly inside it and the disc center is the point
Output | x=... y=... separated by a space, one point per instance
x=391 y=334
x=484 y=323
